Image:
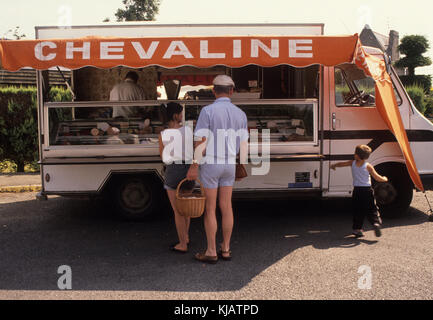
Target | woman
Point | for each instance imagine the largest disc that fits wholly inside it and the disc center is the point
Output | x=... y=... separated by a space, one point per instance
x=175 y=172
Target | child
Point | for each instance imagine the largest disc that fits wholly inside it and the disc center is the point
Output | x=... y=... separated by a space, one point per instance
x=176 y=172
x=363 y=198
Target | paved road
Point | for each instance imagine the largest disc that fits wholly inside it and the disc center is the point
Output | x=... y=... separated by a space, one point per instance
x=282 y=250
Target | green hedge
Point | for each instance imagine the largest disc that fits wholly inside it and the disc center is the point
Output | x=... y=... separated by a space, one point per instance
x=418 y=97
x=429 y=107
x=18 y=123
x=424 y=81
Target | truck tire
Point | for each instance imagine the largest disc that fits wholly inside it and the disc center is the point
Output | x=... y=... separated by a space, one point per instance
x=393 y=197
x=136 y=198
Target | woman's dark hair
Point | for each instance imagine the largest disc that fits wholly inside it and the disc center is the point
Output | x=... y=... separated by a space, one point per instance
x=172 y=109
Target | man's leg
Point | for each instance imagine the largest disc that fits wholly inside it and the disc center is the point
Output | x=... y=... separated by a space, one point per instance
x=210 y=221
x=225 y=204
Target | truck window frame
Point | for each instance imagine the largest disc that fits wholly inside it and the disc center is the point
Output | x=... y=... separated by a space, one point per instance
x=352 y=86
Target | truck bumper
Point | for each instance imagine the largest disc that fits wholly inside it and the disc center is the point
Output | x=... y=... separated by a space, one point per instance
x=427 y=181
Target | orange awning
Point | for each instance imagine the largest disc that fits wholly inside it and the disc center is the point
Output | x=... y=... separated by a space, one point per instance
x=175 y=52
x=203 y=52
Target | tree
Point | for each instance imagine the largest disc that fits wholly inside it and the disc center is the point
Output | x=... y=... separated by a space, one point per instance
x=16 y=33
x=413 y=47
x=138 y=10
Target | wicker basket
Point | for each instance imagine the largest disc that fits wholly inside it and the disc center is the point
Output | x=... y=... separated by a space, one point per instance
x=191 y=207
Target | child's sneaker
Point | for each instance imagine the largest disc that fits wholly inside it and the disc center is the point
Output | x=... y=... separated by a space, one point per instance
x=377 y=230
x=358 y=233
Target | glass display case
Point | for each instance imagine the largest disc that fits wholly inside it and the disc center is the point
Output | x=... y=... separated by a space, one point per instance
x=66 y=128
x=288 y=121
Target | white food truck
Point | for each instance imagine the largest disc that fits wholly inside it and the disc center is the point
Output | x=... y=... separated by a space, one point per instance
x=316 y=114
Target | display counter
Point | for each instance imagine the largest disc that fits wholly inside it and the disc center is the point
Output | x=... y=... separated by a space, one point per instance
x=286 y=121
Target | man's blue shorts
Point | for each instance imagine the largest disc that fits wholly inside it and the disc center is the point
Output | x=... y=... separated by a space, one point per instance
x=213 y=176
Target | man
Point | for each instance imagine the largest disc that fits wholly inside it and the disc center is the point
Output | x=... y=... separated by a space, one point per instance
x=222 y=128
x=127 y=90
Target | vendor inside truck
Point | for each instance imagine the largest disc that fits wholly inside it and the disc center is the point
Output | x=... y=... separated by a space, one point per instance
x=128 y=90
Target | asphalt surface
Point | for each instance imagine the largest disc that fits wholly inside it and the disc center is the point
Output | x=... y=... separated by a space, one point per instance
x=281 y=250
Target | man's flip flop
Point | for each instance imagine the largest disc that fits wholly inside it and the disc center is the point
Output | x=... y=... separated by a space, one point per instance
x=226 y=258
x=202 y=257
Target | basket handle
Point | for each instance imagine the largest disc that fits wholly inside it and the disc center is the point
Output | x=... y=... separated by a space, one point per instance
x=180 y=184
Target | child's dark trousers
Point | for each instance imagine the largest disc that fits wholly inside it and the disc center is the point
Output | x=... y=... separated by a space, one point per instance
x=364 y=206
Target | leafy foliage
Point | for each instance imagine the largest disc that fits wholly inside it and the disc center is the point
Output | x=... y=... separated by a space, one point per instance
x=413 y=47
x=18 y=123
x=138 y=10
x=429 y=107
x=15 y=33
x=424 y=81
x=418 y=97
x=413 y=62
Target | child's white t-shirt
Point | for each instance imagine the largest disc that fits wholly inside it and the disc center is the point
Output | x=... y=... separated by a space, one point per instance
x=361 y=176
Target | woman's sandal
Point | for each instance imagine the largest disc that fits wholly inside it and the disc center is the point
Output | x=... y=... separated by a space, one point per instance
x=174 y=249
x=174 y=244
x=202 y=257
x=228 y=255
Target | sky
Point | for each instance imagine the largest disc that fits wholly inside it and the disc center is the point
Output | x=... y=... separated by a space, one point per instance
x=339 y=16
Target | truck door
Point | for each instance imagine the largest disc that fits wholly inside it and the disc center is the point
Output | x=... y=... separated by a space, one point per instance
x=354 y=120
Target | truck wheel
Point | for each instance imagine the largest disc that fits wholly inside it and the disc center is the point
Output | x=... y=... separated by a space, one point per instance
x=135 y=198
x=394 y=197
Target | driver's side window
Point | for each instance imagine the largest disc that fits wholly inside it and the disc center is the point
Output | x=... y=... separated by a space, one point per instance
x=349 y=92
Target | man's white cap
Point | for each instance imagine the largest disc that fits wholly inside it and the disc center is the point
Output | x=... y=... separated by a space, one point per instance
x=223 y=80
